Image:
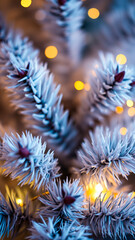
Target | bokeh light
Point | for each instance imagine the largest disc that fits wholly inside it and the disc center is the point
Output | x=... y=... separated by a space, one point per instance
x=123 y=131
x=26 y=3
x=51 y=52
x=79 y=85
x=119 y=109
x=121 y=59
x=93 y=13
x=19 y=201
x=130 y=103
x=131 y=112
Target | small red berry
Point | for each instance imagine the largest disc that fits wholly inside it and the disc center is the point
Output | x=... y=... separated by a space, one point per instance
x=61 y=2
x=23 y=73
x=23 y=152
x=69 y=200
x=132 y=84
x=119 y=76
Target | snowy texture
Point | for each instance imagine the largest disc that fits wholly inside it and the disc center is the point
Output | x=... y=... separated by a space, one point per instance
x=107 y=155
x=110 y=87
x=38 y=95
x=65 y=200
x=52 y=231
x=112 y=217
x=26 y=159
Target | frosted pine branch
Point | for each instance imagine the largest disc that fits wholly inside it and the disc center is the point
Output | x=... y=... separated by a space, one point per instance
x=65 y=200
x=26 y=158
x=113 y=218
x=52 y=231
x=64 y=20
x=12 y=216
x=38 y=95
x=69 y=14
x=110 y=87
x=36 y=92
x=107 y=154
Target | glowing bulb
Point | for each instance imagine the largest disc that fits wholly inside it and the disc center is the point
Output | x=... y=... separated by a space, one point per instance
x=123 y=131
x=130 y=103
x=26 y=3
x=19 y=201
x=98 y=190
x=93 y=13
x=131 y=111
x=79 y=85
x=51 y=52
x=87 y=86
x=121 y=59
x=119 y=110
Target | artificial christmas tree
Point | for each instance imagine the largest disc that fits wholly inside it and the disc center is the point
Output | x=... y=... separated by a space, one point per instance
x=69 y=173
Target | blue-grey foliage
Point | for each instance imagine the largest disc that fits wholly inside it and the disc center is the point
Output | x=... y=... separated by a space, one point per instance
x=38 y=95
x=26 y=158
x=18 y=46
x=114 y=217
x=69 y=13
x=108 y=89
x=108 y=154
x=65 y=200
x=53 y=231
x=12 y=215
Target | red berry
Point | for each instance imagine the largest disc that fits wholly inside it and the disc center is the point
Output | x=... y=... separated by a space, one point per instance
x=23 y=152
x=23 y=73
x=69 y=200
x=132 y=84
x=119 y=76
x=61 y=2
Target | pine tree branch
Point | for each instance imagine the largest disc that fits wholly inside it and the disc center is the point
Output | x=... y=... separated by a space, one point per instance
x=65 y=200
x=64 y=19
x=52 y=231
x=110 y=87
x=13 y=217
x=106 y=155
x=35 y=92
x=25 y=158
x=113 y=218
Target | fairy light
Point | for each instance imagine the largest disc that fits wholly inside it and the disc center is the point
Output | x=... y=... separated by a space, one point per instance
x=79 y=85
x=119 y=110
x=19 y=201
x=131 y=112
x=123 y=131
x=98 y=190
x=93 y=192
x=26 y=3
x=130 y=103
x=51 y=52
x=121 y=59
x=87 y=86
x=93 y=13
